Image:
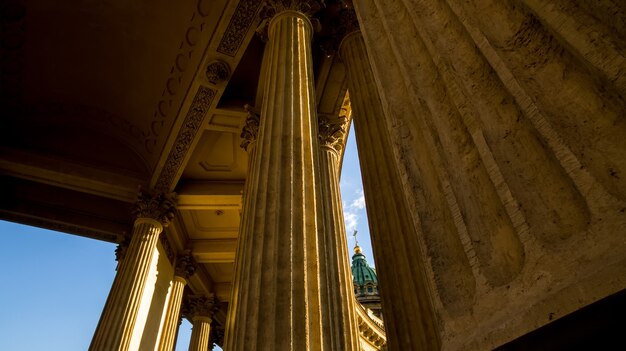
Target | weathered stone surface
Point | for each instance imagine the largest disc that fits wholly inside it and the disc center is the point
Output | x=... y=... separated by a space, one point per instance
x=505 y=118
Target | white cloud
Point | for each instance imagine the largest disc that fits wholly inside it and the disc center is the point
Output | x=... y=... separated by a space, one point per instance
x=359 y=203
x=351 y=220
x=351 y=212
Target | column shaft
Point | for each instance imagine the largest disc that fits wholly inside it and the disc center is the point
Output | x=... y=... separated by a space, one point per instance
x=170 y=324
x=410 y=320
x=276 y=292
x=339 y=320
x=200 y=333
x=116 y=324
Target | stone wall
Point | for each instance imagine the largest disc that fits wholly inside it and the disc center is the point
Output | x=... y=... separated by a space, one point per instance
x=508 y=127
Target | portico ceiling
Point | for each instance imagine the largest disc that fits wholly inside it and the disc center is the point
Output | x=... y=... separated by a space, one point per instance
x=101 y=97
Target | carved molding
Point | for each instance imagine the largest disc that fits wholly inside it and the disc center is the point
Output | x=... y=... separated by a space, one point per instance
x=187 y=133
x=307 y=7
x=200 y=306
x=332 y=131
x=185 y=265
x=217 y=71
x=156 y=205
x=186 y=49
x=238 y=26
x=250 y=129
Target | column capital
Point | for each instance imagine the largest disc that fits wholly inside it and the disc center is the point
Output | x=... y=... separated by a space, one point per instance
x=250 y=129
x=156 y=205
x=273 y=7
x=332 y=131
x=306 y=7
x=185 y=265
x=200 y=306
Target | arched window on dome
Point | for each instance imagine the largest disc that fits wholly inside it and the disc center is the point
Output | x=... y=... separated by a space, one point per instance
x=370 y=289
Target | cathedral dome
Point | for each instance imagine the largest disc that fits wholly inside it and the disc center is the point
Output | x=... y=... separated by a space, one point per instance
x=364 y=277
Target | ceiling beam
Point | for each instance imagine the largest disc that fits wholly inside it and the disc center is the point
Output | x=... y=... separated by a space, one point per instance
x=214 y=250
x=209 y=195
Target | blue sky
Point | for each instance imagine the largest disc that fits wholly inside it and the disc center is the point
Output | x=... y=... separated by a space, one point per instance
x=55 y=284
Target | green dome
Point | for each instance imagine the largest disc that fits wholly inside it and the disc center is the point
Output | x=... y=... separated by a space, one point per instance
x=362 y=273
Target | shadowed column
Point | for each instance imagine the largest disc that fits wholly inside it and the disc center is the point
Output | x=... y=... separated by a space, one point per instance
x=410 y=322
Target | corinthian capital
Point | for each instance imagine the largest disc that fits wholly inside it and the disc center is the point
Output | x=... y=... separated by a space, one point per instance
x=250 y=128
x=200 y=306
x=185 y=265
x=307 y=7
x=156 y=205
x=332 y=131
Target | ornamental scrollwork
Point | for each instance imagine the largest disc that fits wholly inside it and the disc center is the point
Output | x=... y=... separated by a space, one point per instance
x=200 y=306
x=217 y=72
x=156 y=205
x=185 y=265
x=332 y=131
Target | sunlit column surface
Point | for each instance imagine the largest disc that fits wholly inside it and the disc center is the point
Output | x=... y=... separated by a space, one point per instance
x=275 y=301
x=410 y=322
x=185 y=267
x=115 y=328
x=339 y=320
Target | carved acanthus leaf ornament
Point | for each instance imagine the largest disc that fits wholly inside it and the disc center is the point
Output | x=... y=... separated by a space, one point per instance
x=156 y=205
x=185 y=265
x=332 y=131
x=200 y=306
x=307 y=7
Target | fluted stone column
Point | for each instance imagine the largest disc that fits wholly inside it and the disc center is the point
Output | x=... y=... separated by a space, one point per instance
x=339 y=323
x=201 y=310
x=185 y=268
x=275 y=301
x=115 y=328
x=409 y=316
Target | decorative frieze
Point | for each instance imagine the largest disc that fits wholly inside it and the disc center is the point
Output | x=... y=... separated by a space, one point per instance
x=195 y=116
x=217 y=72
x=238 y=27
x=156 y=205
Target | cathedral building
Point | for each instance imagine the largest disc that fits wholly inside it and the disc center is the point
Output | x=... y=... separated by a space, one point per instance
x=365 y=283
x=205 y=138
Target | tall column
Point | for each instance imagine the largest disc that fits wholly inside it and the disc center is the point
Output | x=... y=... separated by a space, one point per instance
x=201 y=310
x=339 y=323
x=410 y=320
x=276 y=298
x=185 y=268
x=115 y=328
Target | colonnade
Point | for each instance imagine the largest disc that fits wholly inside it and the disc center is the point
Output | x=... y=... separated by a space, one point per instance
x=116 y=329
x=292 y=272
x=492 y=157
